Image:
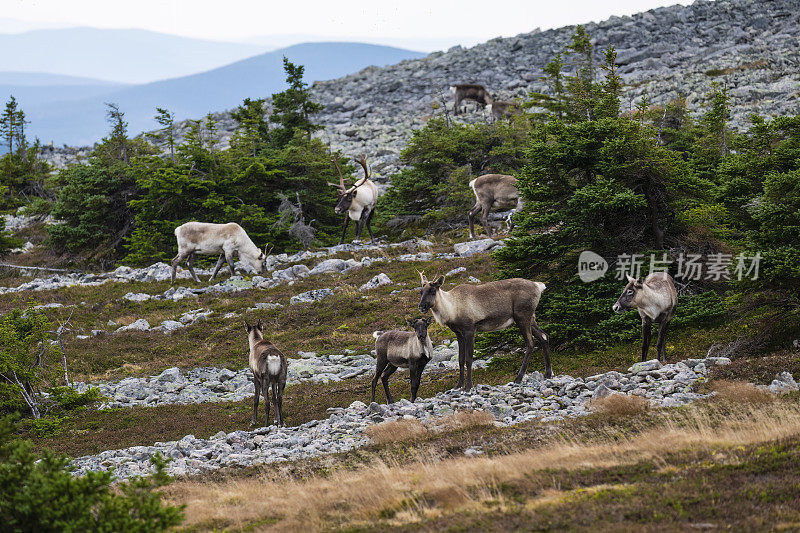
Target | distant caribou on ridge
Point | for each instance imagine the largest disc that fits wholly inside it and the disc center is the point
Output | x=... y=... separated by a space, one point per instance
x=358 y=200
x=470 y=91
x=492 y=306
x=205 y=238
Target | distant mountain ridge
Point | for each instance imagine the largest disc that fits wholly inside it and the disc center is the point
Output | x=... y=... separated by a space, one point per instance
x=83 y=121
x=117 y=55
x=747 y=45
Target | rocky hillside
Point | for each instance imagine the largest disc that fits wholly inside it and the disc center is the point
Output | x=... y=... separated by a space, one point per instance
x=749 y=46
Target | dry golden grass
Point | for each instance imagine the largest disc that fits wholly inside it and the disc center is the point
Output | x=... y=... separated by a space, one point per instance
x=403 y=430
x=620 y=405
x=741 y=392
x=409 y=430
x=429 y=488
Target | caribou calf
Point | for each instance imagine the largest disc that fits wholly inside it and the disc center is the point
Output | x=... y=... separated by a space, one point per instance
x=493 y=190
x=655 y=298
x=358 y=201
x=205 y=238
x=269 y=367
x=470 y=91
x=402 y=349
x=490 y=306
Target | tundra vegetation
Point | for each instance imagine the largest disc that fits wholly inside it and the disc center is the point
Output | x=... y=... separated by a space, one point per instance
x=593 y=173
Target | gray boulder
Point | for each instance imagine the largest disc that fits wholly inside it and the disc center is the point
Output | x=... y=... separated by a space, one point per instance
x=470 y=248
x=375 y=282
x=310 y=296
x=138 y=325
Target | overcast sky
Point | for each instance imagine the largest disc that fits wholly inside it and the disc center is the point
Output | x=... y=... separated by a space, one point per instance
x=391 y=21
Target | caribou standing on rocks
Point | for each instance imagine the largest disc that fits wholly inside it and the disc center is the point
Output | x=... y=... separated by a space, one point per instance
x=493 y=190
x=358 y=200
x=502 y=108
x=655 y=298
x=402 y=349
x=492 y=306
x=269 y=367
x=205 y=238
x=470 y=91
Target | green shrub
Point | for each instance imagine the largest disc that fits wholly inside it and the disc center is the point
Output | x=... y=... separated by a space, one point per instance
x=41 y=494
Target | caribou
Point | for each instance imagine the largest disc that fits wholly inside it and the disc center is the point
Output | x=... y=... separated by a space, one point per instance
x=205 y=238
x=269 y=366
x=493 y=306
x=402 y=349
x=493 y=190
x=470 y=91
x=502 y=108
x=358 y=200
x=655 y=298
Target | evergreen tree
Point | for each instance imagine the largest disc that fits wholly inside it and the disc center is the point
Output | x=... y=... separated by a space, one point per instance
x=9 y=124
x=292 y=108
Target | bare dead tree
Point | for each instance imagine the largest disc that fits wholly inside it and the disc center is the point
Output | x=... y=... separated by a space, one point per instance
x=63 y=327
x=291 y=214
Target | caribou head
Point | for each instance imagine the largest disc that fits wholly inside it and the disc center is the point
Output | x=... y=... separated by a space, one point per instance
x=347 y=195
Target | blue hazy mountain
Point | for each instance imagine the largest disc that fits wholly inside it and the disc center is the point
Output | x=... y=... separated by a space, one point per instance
x=36 y=88
x=83 y=121
x=124 y=56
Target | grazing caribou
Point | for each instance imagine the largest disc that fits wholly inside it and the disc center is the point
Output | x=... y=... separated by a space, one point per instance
x=269 y=367
x=204 y=238
x=402 y=349
x=491 y=306
x=493 y=190
x=470 y=91
x=655 y=298
x=358 y=200
x=502 y=108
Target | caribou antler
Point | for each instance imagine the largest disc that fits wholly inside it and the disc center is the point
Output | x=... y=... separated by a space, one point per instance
x=362 y=160
x=421 y=276
x=341 y=178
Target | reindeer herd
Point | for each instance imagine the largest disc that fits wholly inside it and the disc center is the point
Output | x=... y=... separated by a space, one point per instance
x=465 y=309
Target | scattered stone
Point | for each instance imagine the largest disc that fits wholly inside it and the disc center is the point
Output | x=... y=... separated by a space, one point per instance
x=375 y=282
x=138 y=325
x=310 y=296
x=470 y=248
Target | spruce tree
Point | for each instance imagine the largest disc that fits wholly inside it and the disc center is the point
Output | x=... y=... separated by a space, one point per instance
x=292 y=108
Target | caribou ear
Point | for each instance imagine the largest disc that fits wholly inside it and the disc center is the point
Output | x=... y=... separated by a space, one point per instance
x=260 y=324
x=410 y=322
x=438 y=281
x=247 y=326
x=639 y=283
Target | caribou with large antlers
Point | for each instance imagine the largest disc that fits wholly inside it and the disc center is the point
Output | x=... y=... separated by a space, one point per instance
x=358 y=200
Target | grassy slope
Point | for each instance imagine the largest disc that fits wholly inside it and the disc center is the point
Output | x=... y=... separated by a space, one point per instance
x=722 y=464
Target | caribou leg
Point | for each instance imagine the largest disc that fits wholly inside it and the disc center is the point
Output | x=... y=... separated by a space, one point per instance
x=380 y=365
x=661 y=344
x=229 y=259
x=541 y=336
x=526 y=329
x=220 y=262
x=471 y=216
x=461 y=349
x=485 y=221
x=369 y=226
x=469 y=339
x=257 y=384
x=344 y=230
x=265 y=392
x=190 y=266
x=176 y=261
x=390 y=368
x=646 y=332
